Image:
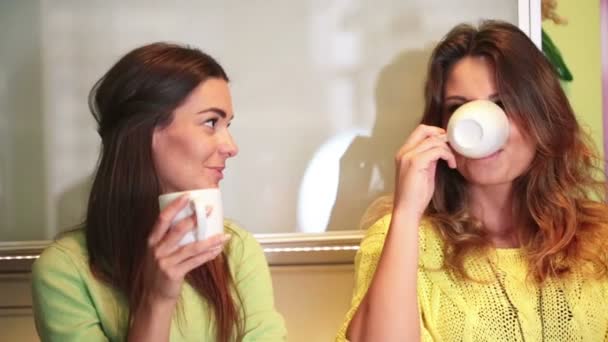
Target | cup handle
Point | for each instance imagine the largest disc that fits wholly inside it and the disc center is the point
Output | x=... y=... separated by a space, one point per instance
x=200 y=211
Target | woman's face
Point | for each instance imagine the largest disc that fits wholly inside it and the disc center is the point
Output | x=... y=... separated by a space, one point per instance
x=472 y=78
x=191 y=152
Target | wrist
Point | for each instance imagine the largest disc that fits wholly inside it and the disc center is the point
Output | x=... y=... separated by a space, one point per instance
x=155 y=305
x=152 y=320
x=156 y=302
x=407 y=216
x=408 y=206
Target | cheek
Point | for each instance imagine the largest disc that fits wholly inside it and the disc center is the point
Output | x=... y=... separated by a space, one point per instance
x=184 y=143
x=184 y=149
x=523 y=146
x=525 y=155
x=172 y=151
x=164 y=154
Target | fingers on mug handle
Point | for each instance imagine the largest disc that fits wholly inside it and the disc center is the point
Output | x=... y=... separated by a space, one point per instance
x=439 y=152
x=165 y=218
x=411 y=155
x=420 y=133
x=170 y=240
x=451 y=160
x=193 y=262
x=200 y=247
x=446 y=152
x=212 y=242
x=427 y=144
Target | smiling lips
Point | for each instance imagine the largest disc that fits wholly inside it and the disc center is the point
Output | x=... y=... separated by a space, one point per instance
x=219 y=170
x=491 y=155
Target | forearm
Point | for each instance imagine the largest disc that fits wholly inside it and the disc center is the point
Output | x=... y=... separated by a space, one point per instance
x=389 y=311
x=152 y=322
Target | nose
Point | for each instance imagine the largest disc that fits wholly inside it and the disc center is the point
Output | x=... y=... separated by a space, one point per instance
x=227 y=146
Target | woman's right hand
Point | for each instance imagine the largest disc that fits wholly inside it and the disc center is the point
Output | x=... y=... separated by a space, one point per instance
x=166 y=262
x=392 y=294
x=416 y=163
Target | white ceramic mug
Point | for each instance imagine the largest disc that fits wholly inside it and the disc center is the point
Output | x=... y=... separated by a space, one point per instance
x=478 y=129
x=202 y=202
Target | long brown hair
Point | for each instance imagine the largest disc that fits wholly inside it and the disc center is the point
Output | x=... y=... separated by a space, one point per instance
x=138 y=94
x=559 y=223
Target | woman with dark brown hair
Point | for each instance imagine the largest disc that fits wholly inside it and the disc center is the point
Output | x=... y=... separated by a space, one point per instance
x=509 y=247
x=163 y=113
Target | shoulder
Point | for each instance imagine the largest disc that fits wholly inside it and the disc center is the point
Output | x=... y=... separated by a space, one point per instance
x=235 y=230
x=61 y=271
x=430 y=243
x=67 y=252
x=373 y=241
x=374 y=237
x=243 y=246
x=240 y=239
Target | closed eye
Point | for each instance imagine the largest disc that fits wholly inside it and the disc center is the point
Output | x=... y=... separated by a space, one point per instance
x=450 y=109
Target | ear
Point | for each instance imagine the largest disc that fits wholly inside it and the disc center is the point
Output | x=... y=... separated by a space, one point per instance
x=156 y=138
x=156 y=145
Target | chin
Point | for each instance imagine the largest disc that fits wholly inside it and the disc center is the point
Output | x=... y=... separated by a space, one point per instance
x=487 y=178
x=490 y=181
x=208 y=185
x=198 y=186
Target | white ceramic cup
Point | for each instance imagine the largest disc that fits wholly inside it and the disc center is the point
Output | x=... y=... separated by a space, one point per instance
x=201 y=202
x=477 y=129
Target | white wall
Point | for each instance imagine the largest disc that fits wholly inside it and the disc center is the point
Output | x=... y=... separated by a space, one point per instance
x=324 y=93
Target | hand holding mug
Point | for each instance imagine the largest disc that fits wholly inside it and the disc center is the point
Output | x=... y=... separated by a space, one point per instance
x=416 y=163
x=168 y=261
x=205 y=206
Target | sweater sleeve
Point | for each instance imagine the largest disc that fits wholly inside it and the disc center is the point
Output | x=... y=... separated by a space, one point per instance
x=366 y=261
x=63 y=310
x=254 y=286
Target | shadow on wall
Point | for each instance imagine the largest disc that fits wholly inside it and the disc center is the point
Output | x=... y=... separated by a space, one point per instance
x=369 y=160
x=72 y=205
x=22 y=214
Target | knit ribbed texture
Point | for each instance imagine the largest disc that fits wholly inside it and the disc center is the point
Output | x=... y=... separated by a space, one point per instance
x=502 y=305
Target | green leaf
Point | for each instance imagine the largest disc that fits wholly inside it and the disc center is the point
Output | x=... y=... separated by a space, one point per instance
x=555 y=57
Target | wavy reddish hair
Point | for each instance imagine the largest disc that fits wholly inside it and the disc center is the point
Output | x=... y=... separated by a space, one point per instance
x=561 y=226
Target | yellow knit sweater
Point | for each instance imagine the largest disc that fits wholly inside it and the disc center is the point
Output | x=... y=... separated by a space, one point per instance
x=504 y=306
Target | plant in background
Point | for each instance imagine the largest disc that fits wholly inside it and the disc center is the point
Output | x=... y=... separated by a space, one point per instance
x=548 y=9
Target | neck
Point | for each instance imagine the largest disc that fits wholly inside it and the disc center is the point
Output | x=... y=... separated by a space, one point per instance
x=493 y=206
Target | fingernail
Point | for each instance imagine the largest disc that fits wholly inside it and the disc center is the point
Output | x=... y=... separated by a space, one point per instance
x=226 y=237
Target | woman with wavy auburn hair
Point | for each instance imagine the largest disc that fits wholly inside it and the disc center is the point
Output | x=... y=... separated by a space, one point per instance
x=163 y=113
x=509 y=247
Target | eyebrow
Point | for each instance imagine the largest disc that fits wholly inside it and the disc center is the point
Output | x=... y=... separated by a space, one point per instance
x=464 y=99
x=215 y=110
